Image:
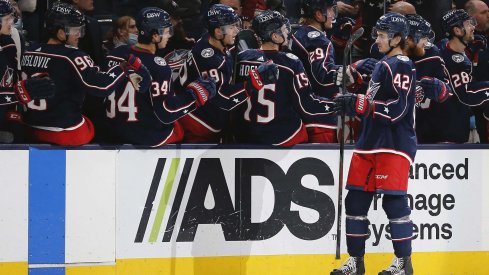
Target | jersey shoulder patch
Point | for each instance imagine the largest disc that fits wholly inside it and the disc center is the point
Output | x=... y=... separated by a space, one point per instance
x=159 y=61
x=458 y=58
x=207 y=52
x=292 y=56
x=313 y=34
x=403 y=58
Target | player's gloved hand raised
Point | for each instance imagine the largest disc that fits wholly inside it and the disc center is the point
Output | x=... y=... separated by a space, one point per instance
x=39 y=87
x=352 y=104
x=341 y=32
x=365 y=66
x=352 y=77
x=434 y=89
x=202 y=89
x=137 y=73
x=266 y=73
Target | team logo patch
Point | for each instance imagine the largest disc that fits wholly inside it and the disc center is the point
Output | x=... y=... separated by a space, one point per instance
x=457 y=58
x=160 y=61
x=207 y=52
x=291 y=56
x=313 y=34
x=403 y=58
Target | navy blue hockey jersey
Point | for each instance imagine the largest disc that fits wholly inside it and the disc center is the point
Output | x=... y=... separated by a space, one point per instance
x=431 y=117
x=467 y=93
x=205 y=59
x=8 y=70
x=276 y=112
x=145 y=117
x=390 y=128
x=316 y=52
x=74 y=75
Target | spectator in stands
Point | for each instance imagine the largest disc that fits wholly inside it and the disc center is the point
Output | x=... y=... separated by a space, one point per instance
x=402 y=7
x=124 y=32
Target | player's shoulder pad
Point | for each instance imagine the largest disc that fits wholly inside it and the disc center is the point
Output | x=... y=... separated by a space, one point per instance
x=432 y=50
x=400 y=64
x=252 y=55
x=206 y=56
x=311 y=37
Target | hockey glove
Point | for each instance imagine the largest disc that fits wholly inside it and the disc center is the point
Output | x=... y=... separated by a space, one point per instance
x=434 y=89
x=341 y=32
x=352 y=104
x=137 y=73
x=40 y=87
x=266 y=73
x=352 y=77
x=419 y=94
x=202 y=90
x=365 y=66
x=473 y=48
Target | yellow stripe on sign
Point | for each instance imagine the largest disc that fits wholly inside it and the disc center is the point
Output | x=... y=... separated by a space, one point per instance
x=19 y=268
x=92 y=270
x=440 y=263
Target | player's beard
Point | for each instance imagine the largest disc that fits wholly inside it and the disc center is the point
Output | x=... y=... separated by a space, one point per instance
x=415 y=51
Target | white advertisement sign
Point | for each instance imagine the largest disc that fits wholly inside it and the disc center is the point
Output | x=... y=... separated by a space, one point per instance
x=224 y=202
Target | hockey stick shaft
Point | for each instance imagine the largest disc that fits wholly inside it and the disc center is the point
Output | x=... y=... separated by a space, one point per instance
x=349 y=44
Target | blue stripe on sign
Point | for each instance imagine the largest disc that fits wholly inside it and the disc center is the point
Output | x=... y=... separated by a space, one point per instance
x=47 y=176
x=47 y=271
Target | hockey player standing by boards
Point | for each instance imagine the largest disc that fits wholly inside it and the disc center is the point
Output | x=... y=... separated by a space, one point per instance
x=59 y=120
x=275 y=115
x=384 y=151
x=316 y=52
x=148 y=116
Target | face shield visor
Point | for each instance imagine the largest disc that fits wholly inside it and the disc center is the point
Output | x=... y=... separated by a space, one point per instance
x=166 y=32
x=231 y=29
x=77 y=31
x=331 y=12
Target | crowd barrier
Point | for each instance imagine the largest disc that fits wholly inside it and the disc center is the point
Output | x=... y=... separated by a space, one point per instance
x=231 y=210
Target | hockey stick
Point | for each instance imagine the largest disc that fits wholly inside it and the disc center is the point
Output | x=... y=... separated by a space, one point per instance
x=346 y=54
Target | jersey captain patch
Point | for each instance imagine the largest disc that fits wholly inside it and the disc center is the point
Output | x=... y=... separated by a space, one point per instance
x=457 y=58
x=208 y=52
x=313 y=34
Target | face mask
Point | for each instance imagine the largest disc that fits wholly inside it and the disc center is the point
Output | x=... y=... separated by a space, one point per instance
x=132 y=39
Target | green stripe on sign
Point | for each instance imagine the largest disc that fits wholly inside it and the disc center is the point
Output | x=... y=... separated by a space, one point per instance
x=165 y=195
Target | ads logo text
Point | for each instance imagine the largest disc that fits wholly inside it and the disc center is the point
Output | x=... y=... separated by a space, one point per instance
x=235 y=218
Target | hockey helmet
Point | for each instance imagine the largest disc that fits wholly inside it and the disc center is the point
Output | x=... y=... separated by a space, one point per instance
x=65 y=16
x=6 y=8
x=393 y=23
x=153 y=20
x=267 y=23
x=419 y=28
x=455 y=18
x=219 y=16
x=308 y=7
